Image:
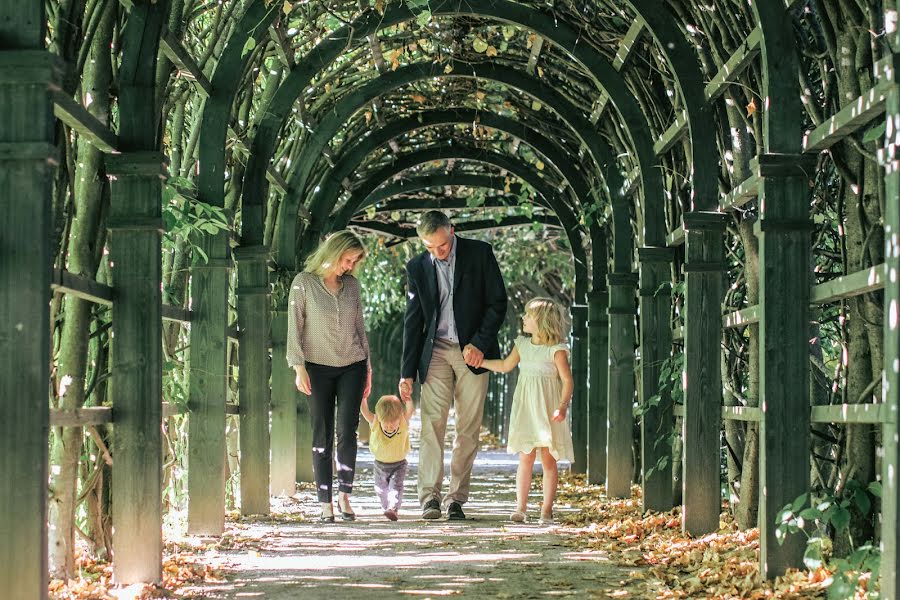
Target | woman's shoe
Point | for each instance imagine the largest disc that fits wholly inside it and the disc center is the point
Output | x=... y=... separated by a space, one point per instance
x=547 y=520
x=346 y=515
x=327 y=514
x=518 y=517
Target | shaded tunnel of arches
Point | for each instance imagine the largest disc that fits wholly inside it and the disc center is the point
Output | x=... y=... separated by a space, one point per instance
x=320 y=161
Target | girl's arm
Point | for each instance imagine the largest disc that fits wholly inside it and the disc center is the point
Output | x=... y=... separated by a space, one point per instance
x=364 y=409
x=502 y=366
x=561 y=360
x=410 y=409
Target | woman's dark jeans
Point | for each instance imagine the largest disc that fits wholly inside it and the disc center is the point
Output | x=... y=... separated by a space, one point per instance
x=333 y=388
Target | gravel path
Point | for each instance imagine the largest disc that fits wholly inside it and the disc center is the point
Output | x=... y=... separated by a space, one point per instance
x=293 y=556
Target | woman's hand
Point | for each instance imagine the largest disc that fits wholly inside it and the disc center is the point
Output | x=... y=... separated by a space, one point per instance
x=559 y=415
x=302 y=380
x=368 y=389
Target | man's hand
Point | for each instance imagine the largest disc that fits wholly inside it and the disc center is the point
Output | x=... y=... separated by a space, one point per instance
x=473 y=356
x=302 y=380
x=405 y=387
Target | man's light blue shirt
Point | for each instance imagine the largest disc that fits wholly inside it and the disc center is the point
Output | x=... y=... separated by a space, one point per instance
x=446 y=325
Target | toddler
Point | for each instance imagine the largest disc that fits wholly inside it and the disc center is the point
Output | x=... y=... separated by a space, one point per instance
x=389 y=443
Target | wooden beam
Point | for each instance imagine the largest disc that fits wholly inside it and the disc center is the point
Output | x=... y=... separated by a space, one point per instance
x=175 y=313
x=848 y=120
x=628 y=43
x=735 y=65
x=175 y=52
x=536 y=47
x=850 y=413
x=84 y=123
x=80 y=417
x=732 y=413
x=675 y=237
x=631 y=182
x=846 y=286
x=741 y=318
x=741 y=195
x=672 y=135
x=64 y=282
x=599 y=107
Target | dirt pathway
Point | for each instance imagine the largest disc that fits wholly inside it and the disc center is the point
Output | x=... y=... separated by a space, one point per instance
x=486 y=556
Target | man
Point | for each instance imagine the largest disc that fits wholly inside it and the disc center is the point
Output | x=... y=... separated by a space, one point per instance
x=456 y=305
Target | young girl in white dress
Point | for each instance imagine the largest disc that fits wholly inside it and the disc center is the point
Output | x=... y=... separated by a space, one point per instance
x=538 y=422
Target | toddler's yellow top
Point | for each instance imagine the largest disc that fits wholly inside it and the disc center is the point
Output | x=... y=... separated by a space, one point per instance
x=389 y=449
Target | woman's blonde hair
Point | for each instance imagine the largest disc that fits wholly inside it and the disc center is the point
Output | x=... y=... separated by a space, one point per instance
x=389 y=408
x=549 y=318
x=331 y=250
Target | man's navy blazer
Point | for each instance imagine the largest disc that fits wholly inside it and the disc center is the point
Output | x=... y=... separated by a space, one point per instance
x=479 y=305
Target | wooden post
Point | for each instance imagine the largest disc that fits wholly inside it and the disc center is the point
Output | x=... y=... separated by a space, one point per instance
x=783 y=230
x=304 y=442
x=704 y=263
x=208 y=387
x=890 y=460
x=658 y=421
x=620 y=395
x=580 y=396
x=253 y=377
x=284 y=412
x=28 y=76
x=598 y=334
x=135 y=253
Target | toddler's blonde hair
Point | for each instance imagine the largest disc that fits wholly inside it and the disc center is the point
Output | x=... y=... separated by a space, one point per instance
x=549 y=318
x=389 y=408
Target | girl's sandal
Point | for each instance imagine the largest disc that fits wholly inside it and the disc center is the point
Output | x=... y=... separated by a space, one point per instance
x=518 y=517
x=547 y=520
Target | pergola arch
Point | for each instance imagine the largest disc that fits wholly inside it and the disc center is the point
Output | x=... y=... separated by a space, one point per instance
x=560 y=33
x=354 y=101
x=350 y=161
x=566 y=217
x=778 y=180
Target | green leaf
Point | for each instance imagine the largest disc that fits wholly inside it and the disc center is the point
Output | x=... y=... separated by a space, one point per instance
x=875 y=489
x=840 y=519
x=875 y=133
x=479 y=45
x=799 y=502
x=202 y=254
x=861 y=499
x=811 y=514
x=249 y=45
x=423 y=18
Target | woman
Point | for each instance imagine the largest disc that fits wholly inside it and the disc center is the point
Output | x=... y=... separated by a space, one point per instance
x=329 y=352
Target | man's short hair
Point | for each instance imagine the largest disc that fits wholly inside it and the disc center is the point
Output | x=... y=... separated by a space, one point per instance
x=431 y=222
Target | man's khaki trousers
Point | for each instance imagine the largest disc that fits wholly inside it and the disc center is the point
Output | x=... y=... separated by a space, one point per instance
x=449 y=380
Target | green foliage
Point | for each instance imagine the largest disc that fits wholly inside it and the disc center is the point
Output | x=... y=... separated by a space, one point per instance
x=669 y=386
x=187 y=218
x=831 y=514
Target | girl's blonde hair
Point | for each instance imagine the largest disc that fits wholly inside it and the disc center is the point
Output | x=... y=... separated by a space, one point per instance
x=549 y=318
x=331 y=250
x=389 y=408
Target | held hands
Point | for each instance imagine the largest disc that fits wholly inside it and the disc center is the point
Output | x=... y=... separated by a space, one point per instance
x=302 y=380
x=559 y=415
x=405 y=387
x=473 y=356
